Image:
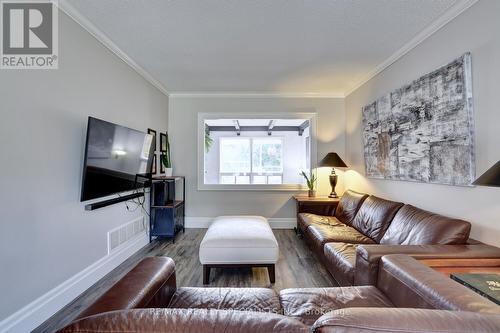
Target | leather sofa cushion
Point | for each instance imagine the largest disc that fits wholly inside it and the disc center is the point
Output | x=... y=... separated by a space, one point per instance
x=185 y=320
x=341 y=233
x=414 y=226
x=308 y=304
x=392 y=320
x=304 y=220
x=340 y=261
x=242 y=299
x=348 y=206
x=374 y=216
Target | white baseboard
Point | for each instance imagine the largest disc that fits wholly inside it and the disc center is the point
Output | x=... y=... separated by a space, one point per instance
x=36 y=312
x=204 y=222
x=283 y=223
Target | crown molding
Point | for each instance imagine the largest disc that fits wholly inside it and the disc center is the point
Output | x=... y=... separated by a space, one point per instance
x=435 y=26
x=242 y=94
x=76 y=16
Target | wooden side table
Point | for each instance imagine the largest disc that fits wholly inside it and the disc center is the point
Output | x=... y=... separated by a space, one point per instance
x=320 y=205
x=448 y=266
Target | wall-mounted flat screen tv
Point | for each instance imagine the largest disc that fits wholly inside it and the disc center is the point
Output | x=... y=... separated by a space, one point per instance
x=117 y=159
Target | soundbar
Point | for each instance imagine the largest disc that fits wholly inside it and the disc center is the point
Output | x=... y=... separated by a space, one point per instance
x=101 y=204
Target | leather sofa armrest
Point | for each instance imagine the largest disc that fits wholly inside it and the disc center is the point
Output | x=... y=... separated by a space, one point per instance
x=150 y=284
x=186 y=320
x=368 y=256
x=364 y=320
x=408 y=283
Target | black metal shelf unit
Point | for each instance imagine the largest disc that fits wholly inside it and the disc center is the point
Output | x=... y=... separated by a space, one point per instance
x=167 y=206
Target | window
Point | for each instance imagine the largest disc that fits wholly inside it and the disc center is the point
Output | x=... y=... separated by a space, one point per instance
x=252 y=160
x=254 y=153
x=267 y=155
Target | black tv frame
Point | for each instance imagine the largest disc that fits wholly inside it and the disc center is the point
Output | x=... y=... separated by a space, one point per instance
x=104 y=203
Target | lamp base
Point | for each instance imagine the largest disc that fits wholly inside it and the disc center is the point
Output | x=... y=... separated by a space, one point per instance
x=333 y=183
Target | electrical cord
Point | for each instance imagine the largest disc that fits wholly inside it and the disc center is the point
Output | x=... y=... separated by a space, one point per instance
x=138 y=203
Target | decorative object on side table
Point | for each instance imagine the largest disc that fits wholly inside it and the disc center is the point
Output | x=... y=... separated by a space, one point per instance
x=333 y=160
x=311 y=182
x=490 y=178
x=166 y=163
x=487 y=285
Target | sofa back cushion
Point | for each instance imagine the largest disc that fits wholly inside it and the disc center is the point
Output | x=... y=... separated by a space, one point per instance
x=185 y=320
x=390 y=320
x=348 y=206
x=414 y=226
x=374 y=216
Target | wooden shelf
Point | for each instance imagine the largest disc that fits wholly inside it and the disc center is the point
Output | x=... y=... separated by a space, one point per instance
x=167 y=219
x=305 y=198
x=172 y=205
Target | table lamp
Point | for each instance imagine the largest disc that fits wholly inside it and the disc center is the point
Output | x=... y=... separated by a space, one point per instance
x=490 y=178
x=332 y=160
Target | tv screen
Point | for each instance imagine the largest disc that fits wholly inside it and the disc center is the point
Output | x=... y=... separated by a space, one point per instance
x=117 y=159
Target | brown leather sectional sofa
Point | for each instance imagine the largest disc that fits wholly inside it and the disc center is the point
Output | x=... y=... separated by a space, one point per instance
x=362 y=228
x=408 y=297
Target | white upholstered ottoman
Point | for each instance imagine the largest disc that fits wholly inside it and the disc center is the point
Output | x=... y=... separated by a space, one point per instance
x=239 y=241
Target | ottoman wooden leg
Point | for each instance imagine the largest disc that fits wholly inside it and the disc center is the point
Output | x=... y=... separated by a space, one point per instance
x=270 y=271
x=206 y=274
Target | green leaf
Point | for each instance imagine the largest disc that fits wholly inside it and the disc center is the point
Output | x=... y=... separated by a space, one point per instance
x=208 y=142
x=310 y=180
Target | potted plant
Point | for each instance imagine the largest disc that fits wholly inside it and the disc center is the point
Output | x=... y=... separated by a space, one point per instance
x=165 y=158
x=208 y=142
x=311 y=182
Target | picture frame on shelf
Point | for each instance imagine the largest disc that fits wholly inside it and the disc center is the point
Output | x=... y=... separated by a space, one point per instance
x=153 y=165
x=163 y=142
x=153 y=133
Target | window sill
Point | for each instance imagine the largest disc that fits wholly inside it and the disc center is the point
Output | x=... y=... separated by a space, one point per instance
x=252 y=187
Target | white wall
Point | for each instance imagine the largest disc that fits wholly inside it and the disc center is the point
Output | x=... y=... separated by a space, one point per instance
x=476 y=30
x=183 y=113
x=46 y=236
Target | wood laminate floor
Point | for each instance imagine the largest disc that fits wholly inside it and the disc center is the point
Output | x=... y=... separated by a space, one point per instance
x=296 y=267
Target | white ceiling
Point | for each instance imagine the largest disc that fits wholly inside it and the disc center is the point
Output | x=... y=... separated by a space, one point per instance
x=260 y=46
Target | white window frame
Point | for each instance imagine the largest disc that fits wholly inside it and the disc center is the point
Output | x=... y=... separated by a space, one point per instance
x=203 y=116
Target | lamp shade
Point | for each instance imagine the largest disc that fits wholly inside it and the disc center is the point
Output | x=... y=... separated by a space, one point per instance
x=332 y=160
x=491 y=177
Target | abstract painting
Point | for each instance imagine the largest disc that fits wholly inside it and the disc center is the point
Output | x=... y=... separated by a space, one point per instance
x=424 y=130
